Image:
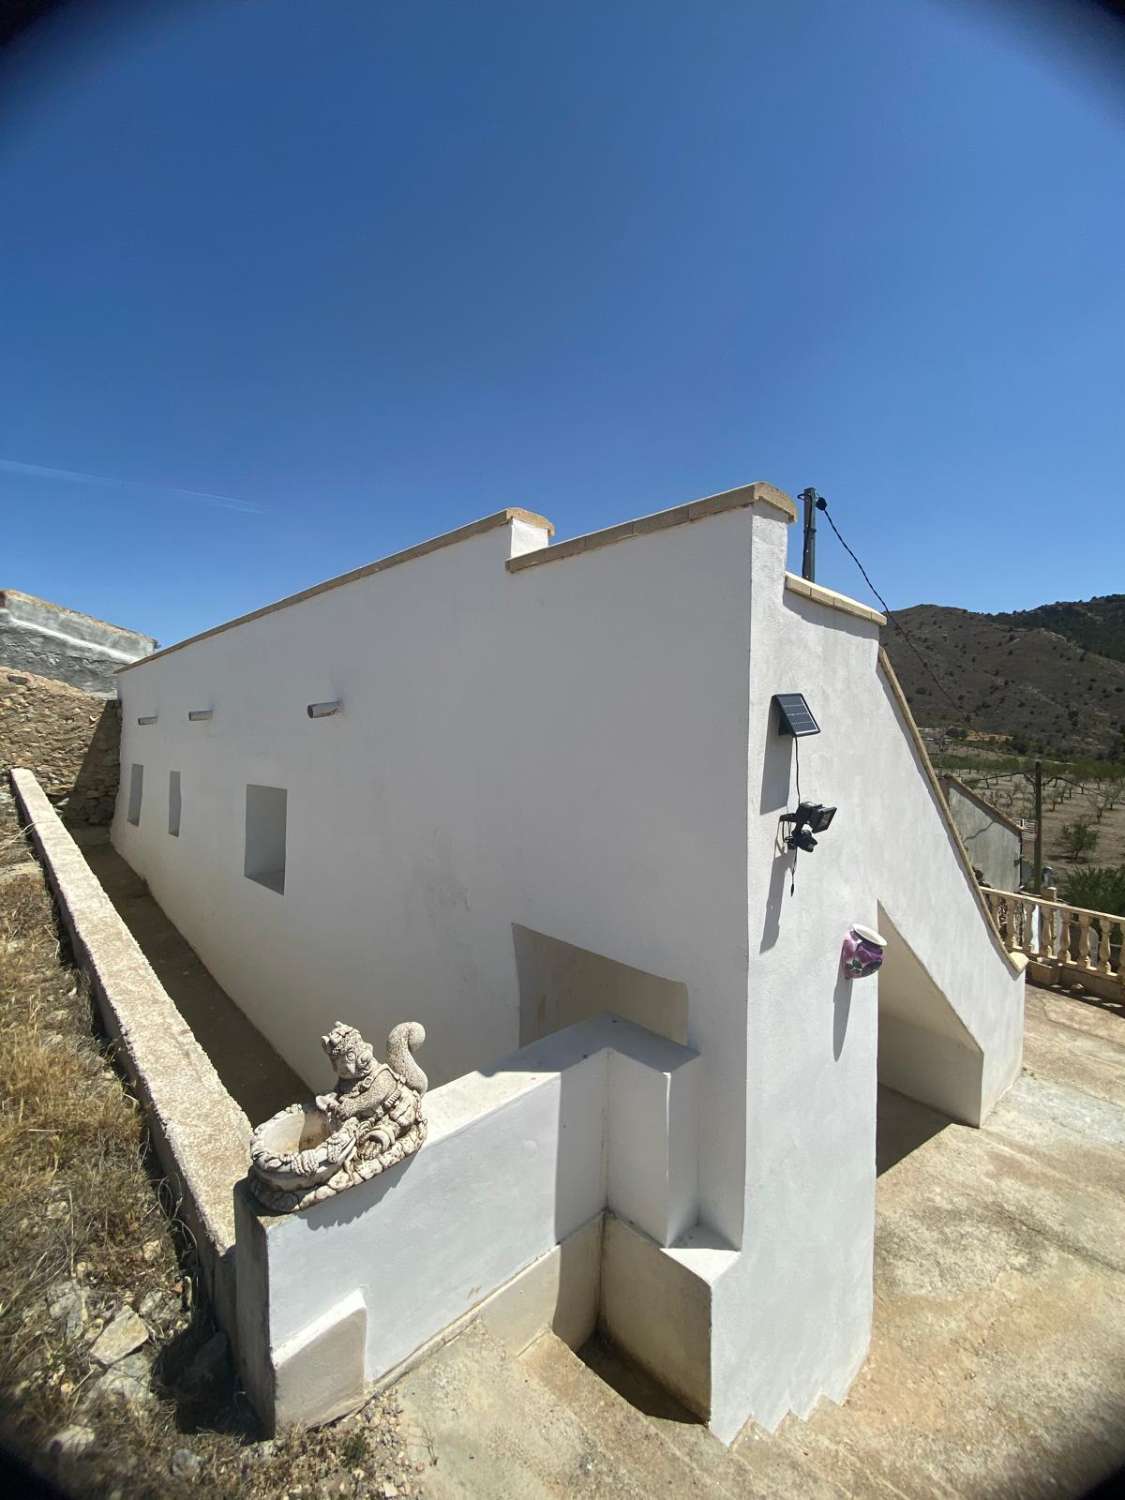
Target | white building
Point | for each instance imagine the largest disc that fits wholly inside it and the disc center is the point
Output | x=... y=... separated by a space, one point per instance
x=552 y=788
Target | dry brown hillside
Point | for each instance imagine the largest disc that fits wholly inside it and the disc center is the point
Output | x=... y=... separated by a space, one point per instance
x=1050 y=692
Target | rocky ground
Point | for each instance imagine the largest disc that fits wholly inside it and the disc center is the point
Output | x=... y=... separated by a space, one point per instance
x=114 y=1380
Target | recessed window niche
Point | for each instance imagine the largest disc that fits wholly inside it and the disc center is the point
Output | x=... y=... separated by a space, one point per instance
x=174 y=803
x=265 y=836
x=136 y=792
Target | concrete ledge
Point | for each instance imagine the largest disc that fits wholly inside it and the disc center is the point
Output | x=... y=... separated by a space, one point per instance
x=697 y=510
x=831 y=599
x=435 y=544
x=1065 y=973
x=201 y=1136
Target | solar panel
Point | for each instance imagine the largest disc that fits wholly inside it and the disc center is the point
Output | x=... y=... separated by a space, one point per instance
x=794 y=715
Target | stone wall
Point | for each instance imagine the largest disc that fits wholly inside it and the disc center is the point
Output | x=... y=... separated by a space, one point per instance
x=68 y=738
x=52 y=641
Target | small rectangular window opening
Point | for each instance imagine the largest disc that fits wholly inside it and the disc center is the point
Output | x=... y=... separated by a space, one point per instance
x=265 y=836
x=174 y=803
x=136 y=791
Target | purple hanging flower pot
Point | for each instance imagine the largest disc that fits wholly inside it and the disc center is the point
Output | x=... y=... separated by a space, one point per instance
x=863 y=952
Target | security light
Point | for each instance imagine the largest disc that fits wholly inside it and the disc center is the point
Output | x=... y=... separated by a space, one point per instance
x=147 y=719
x=198 y=715
x=323 y=710
x=810 y=818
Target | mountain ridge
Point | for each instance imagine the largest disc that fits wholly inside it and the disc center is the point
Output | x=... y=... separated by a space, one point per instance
x=1050 y=679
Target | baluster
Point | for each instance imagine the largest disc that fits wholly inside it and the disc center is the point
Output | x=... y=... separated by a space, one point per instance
x=1046 y=936
x=1104 y=964
x=1083 y=954
x=1030 y=933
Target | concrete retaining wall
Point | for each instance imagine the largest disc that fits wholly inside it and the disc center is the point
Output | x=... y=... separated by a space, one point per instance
x=52 y=641
x=201 y=1136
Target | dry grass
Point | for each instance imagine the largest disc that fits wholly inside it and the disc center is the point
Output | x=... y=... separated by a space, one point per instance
x=81 y=1201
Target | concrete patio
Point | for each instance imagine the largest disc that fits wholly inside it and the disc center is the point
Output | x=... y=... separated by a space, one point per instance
x=997 y=1367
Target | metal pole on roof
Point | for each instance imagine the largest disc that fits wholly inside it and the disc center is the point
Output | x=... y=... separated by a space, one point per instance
x=808 y=554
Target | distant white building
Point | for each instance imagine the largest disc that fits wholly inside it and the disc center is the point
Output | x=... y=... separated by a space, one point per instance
x=501 y=786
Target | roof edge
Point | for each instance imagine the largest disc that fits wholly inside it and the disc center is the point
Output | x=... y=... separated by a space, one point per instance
x=829 y=597
x=758 y=493
x=435 y=544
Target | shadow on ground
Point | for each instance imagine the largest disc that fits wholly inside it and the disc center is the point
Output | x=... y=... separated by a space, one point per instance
x=253 y=1074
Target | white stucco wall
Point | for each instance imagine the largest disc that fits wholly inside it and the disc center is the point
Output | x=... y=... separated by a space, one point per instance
x=585 y=750
x=543 y=749
x=804 y=1286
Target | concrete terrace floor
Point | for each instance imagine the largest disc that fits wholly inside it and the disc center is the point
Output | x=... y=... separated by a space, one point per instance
x=258 y=1080
x=997 y=1366
x=997 y=1363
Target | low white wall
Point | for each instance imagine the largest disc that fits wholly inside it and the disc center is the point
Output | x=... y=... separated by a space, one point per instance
x=516 y=1161
x=993 y=844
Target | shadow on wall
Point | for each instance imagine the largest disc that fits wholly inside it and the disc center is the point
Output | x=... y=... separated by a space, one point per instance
x=560 y=984
x=925 y=1051
x=93 y=796
x=776 y=776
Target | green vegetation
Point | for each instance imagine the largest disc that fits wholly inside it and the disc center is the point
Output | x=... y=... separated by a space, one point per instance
x=1096 y=889
x=1094 y=624
x=1079 y=838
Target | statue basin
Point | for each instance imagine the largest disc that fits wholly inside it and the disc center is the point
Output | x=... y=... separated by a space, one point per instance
x=297 y=1148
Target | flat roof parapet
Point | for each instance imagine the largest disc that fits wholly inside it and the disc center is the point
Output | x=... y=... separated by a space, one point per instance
x=745 y=495
x=434 y=544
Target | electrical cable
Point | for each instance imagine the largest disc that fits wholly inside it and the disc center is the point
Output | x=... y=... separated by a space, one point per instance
x=797 y=765
x=822 y=505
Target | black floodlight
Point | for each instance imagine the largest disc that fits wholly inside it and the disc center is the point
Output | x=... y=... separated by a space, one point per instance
x=794 y=715
x=810 y=818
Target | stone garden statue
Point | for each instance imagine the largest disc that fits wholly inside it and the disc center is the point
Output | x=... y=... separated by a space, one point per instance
x=372 y=1120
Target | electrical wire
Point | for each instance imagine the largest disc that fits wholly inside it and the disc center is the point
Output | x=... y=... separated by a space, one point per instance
x=822 y=505
x=797 y=766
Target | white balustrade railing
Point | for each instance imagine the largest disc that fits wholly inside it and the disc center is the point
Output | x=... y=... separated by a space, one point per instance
x=1056 y=933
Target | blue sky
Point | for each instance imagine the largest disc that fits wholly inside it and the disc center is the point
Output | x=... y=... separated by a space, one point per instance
x=373 y=268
